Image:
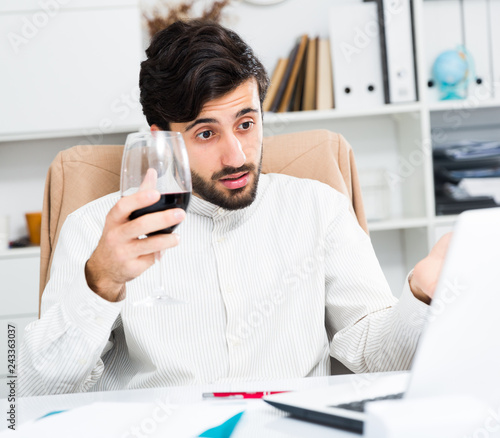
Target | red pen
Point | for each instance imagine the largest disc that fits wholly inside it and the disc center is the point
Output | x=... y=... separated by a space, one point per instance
x=239 y=394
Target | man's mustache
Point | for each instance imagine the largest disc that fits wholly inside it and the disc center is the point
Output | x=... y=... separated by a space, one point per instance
x=232 y=170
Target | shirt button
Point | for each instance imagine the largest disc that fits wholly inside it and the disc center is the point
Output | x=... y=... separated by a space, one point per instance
x=230 y=289
x=99 y=320
x=221 y=239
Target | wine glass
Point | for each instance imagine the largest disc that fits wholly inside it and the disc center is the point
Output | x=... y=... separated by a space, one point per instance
x=157 y=160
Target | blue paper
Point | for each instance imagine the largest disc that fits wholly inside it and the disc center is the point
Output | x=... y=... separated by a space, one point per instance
x=224 y=430
x=51 y=413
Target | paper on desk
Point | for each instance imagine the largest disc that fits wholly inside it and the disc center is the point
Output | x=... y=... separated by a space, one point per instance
x=130 y=420
x=482 y=187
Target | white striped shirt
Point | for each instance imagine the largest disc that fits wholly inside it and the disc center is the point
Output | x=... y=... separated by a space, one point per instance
x=272 y=291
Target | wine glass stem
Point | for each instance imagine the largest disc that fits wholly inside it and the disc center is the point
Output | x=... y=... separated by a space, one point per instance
x=161 y=291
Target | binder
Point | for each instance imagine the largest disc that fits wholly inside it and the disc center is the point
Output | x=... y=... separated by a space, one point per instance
x=398 y=53
x=477 y=43
x=356 y=57
x=276 y=79
x=284 y=81
x=298 y=93
x=494 y=14
x=310 y=79
x=324 y=89
x=443 y=31
x=292 y=80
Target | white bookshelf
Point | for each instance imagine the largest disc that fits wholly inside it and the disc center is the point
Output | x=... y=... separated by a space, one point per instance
x=90 y=133
x=19 y=253
x=307 y=116
x=460 y=105
x=19 y=273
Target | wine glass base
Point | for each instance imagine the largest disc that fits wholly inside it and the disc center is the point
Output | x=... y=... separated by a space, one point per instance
x=159 y=300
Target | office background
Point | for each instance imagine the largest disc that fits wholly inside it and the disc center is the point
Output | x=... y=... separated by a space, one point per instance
x=392 y=143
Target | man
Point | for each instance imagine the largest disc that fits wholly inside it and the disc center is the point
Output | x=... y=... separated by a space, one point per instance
x=275 y=271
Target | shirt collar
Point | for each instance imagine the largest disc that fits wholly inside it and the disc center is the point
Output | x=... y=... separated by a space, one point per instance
x=204 y=208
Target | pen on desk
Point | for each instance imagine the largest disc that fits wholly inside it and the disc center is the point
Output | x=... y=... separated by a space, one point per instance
x=240 y=395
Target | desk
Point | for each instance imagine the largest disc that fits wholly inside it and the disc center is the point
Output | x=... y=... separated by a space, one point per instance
x=262 y=421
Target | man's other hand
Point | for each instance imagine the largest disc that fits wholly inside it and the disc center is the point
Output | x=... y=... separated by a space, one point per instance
x=426 y=273
x=120 y=256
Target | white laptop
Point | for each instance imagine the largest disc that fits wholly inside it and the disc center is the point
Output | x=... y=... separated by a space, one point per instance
x=459 y=351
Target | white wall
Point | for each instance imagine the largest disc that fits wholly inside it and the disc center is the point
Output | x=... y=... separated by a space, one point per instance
x=270 y=30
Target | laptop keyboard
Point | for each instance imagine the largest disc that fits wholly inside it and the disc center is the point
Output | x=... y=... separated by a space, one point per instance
x=359 y=405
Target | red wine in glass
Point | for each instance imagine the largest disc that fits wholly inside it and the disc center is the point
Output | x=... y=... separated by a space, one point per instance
x=166 y=202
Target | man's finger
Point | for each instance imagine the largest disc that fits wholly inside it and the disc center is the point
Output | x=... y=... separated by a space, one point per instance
x=152 y=222
x=149 y=181
x=157 y=243
x=126 y=205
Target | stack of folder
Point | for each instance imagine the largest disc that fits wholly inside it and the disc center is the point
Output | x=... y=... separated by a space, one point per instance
x=303 y=80
x=466 y=176
x=473 y=24
x=373 y=53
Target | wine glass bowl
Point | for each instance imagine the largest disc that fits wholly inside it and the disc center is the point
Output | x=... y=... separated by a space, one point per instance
x=157 y=160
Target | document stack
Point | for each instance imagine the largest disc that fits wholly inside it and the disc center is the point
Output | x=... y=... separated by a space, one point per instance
x=467 y=176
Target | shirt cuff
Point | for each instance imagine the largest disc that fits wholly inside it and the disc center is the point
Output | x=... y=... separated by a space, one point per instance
x=412 y=311
x=92 y=314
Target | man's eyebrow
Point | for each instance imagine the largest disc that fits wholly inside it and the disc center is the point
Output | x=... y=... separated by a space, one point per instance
x=199 y=121
x=207 y=120
x=246 y=111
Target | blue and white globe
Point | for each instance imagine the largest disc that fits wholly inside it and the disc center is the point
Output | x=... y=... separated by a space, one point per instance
x=451 y=73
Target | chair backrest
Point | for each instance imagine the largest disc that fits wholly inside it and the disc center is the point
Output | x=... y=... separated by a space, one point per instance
x=81 y=174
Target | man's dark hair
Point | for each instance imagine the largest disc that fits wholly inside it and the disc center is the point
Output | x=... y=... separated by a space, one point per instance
x=191 y=63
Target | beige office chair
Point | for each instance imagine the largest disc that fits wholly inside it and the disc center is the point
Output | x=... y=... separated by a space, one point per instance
x=83 y=173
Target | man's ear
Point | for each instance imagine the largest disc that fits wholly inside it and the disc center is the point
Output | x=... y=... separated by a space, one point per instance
x=154 y=128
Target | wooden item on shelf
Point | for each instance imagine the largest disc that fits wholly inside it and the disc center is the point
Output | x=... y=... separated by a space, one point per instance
x=276 y=79
x=282 y=86
x=324 y=90
x=309 y=100
x=285 y=101
x=298 y=92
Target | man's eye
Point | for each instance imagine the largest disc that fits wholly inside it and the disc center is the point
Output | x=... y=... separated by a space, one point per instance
x=205 y=135
x=246 y=125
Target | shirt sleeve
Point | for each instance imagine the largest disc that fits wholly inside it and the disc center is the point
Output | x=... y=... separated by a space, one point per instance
x=62 y=352
x=368 y=328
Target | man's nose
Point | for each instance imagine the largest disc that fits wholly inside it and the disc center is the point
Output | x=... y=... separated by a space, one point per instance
x=233 y=154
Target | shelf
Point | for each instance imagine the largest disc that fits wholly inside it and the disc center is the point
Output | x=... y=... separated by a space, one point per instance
x=311 y=116
x=467 y=104
x=445 y=220
x=84 y=133
x=308 y=116
x=15 y=253
x=398 y=224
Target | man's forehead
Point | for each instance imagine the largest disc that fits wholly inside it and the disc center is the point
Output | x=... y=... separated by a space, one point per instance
x=245 y=95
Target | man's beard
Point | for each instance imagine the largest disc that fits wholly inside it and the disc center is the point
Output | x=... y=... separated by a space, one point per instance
x=230 y=199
